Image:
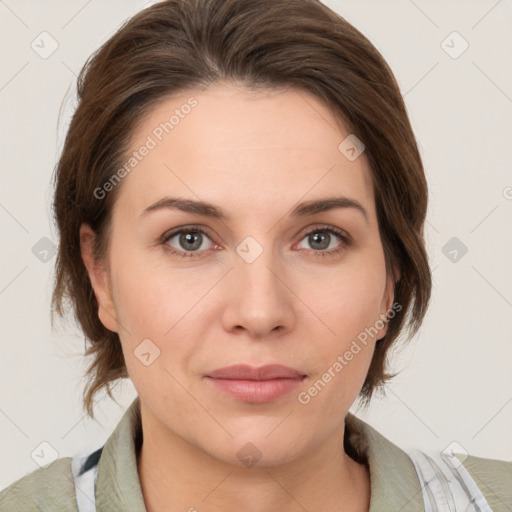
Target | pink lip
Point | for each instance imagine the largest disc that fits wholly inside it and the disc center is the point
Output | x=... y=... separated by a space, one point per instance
x=257 y=385
x=246 y=372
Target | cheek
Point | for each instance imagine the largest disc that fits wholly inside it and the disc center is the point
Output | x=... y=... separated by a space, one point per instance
x=347 y=303
x=348 y=299
x=149 y=299
x=157 y=304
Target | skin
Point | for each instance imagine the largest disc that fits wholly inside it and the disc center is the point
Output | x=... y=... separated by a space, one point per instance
x=255 y=155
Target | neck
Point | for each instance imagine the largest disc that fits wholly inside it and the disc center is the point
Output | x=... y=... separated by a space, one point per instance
x=176 y=475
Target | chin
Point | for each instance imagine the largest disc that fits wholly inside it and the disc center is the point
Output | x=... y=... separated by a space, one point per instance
x=256 y=450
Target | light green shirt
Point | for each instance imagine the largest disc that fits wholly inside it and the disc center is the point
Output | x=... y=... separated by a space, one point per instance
x=394 y=482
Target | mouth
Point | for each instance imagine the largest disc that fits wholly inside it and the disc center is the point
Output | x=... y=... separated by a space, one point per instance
x=256 y=385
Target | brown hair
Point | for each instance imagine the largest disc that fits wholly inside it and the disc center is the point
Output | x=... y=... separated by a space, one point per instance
x=175 y=45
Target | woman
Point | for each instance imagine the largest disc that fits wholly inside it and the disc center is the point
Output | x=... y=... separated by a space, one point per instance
x=241 y=202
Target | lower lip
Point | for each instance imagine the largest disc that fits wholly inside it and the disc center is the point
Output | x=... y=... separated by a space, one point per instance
x=257 y=391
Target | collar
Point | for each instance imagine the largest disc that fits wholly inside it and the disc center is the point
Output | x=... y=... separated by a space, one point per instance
x=394 y=484
x=118 y=485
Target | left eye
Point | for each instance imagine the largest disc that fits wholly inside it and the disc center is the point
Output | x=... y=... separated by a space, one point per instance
x=323 y=237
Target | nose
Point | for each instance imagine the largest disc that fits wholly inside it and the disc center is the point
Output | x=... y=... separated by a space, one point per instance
x=259 y=301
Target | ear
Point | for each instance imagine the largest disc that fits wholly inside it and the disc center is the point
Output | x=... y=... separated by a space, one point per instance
x=386 y=304
x=99 y=277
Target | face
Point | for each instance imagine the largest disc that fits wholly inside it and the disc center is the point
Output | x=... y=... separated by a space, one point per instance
x=267 y=283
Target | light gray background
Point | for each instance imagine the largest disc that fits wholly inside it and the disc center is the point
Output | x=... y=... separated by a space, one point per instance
x=456 y=378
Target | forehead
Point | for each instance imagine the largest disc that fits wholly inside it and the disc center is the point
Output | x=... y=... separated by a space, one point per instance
x=230 y=145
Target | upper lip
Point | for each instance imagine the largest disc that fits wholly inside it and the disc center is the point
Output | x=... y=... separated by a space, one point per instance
x=246 y=372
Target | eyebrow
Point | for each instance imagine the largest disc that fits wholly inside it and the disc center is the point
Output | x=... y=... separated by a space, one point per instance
x=209 y=210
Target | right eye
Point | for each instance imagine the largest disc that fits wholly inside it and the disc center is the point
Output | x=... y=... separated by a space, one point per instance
x=189 y=240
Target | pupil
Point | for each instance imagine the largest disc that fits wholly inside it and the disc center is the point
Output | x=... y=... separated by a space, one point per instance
x=189 y=239
x=319 y=238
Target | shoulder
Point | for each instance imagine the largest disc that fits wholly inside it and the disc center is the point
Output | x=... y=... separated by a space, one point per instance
x=493 y=477
x=399 y=475
x=483 y=467
x=45 y=489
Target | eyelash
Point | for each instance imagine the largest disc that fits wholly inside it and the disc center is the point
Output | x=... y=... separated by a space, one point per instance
x=317 y=229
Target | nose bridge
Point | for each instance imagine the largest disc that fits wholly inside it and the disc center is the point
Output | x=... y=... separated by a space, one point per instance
x=257 y=266
x=259 y=300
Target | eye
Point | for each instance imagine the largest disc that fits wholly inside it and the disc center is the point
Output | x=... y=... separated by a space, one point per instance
x=321 y=237
x=190 y=241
